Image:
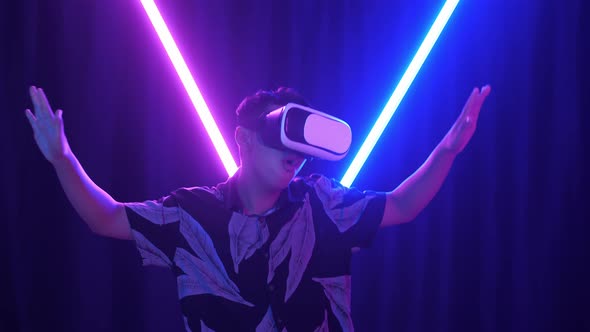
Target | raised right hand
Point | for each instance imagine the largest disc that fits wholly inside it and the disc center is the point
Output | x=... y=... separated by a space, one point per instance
x=98 y=209
x=47 y=127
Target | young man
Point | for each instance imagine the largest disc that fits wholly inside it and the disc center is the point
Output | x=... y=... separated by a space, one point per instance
x=265 y=250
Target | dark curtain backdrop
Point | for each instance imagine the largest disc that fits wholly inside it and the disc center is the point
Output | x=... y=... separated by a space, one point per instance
x=502 y=247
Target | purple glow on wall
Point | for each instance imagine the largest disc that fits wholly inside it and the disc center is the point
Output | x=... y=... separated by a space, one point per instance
x=190 y=86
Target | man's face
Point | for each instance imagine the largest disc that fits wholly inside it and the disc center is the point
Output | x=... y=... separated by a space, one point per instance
x=274 y=168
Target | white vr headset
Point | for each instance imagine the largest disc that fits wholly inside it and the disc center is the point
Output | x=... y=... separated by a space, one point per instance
x=306 y=131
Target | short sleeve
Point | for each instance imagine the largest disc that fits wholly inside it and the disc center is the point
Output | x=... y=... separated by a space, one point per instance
x=155 y=229
x=357 y=214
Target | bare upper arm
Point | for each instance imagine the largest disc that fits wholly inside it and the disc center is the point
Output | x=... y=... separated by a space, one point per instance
x=393 y=214
x=117 y=226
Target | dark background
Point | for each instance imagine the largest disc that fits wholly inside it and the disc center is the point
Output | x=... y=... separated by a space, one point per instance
x=502 y=247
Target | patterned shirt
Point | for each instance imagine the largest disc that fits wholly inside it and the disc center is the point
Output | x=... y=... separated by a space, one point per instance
x=287 y=270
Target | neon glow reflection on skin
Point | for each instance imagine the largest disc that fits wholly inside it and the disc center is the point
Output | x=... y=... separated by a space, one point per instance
x=190 y=86
x=399 y=92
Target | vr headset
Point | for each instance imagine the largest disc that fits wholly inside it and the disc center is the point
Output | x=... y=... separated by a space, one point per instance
x=305 y=130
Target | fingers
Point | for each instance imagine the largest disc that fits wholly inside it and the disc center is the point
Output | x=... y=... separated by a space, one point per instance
x=476 y=99
x=471 y=98
x=59 y=116
x=33 y=94
x=482 y=95
x=465 y=112
x=45 y=102
x=485 y=91
x=42 y=108
x=30 y=117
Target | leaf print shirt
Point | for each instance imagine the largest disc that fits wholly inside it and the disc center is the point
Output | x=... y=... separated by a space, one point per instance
x=287 y=270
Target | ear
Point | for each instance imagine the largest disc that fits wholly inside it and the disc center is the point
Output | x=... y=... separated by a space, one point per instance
x=243 y=137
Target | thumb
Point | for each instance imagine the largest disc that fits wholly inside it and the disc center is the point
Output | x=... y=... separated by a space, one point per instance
x=59 y=114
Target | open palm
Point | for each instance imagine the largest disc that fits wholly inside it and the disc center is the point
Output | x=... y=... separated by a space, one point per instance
x=47 y=126
x=464 y=127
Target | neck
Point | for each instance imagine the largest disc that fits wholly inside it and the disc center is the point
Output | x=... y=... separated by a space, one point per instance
x=255 y=198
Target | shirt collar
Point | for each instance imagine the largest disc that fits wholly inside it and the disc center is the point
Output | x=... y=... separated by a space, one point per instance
x=231 y=199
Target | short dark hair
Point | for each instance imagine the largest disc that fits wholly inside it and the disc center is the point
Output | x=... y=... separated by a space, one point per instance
x=255 y=105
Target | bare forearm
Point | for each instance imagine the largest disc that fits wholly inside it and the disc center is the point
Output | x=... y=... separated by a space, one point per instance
x=406 y=201
x=414 y=194
x=97 y=208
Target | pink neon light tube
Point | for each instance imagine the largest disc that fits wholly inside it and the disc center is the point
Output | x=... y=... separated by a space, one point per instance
x=190 y=86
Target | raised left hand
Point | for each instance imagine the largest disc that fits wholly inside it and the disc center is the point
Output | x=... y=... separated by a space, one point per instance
x=462 y=130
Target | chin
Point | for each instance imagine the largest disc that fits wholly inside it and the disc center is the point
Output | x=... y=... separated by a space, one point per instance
x=282 y=182
x=275 y=177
